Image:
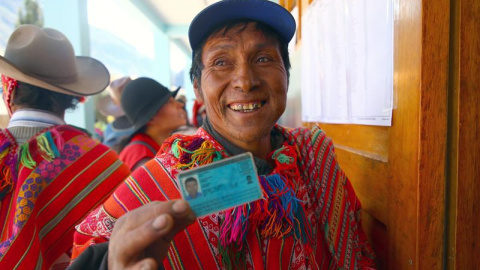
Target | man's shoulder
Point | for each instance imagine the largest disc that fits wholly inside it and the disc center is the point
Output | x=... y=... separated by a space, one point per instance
x=72 y=129
x=75 y=135
x=303 y=135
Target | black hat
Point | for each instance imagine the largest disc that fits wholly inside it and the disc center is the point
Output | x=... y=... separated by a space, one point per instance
x=267 y=12
x=142 y=98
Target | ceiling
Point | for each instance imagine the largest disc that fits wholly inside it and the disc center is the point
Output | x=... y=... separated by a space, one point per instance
x=178 y=12
x=175 y=16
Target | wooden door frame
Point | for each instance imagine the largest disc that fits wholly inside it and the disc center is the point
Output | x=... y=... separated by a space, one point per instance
x=421 y=46
x=433 y=177
x=463 y=172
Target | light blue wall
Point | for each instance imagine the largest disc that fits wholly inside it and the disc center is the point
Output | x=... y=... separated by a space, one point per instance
x=292 y=117
x=162 y=56
x=161 y=68
x=188 y=86
x=70 y=18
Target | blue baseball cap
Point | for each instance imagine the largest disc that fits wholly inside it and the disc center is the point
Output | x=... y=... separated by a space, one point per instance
x=267 y=12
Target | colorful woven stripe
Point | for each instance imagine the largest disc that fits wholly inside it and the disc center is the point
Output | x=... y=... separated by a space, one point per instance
x=62 y=175
x=328 y=200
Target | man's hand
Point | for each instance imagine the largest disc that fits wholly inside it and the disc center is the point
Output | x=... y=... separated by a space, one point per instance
x=141 y=238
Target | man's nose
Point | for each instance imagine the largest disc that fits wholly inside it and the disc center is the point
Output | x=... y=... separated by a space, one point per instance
x=245 y=78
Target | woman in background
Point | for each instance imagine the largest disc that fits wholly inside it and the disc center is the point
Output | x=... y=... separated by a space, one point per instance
x=154 y=113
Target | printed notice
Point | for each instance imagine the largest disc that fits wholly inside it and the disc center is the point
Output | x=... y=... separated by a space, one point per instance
x=221 y=185
x=347 y=62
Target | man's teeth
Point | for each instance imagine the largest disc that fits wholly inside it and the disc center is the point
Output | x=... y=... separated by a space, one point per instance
x=244 y=107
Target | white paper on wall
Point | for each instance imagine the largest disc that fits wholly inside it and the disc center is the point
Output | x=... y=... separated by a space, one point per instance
x=347 y=62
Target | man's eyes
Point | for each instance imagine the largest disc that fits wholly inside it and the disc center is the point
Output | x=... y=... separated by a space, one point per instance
x=263 y=59
x=220 y=63
x=225 y=62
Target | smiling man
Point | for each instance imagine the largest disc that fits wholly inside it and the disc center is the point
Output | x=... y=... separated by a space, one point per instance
x=309 y=217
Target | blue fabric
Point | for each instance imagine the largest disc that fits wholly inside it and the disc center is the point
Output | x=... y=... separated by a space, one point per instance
x=112 y=136
x=188 y=197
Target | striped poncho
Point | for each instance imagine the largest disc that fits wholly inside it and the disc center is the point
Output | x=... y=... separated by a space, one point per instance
x=309 y=219
x=48 y=185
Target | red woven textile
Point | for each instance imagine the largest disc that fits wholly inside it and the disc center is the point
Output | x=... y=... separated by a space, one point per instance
x=330 y=204
x=38 y=216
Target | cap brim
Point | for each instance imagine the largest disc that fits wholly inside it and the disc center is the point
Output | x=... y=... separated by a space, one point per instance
x=93 y=77
x=221 y=12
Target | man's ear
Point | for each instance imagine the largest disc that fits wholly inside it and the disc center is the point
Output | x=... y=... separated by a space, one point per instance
x=198 y=91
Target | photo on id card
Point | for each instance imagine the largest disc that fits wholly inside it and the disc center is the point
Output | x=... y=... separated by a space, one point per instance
x=220 y=185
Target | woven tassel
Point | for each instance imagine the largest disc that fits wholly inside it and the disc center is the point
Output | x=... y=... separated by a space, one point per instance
x=234 y=229
x=25 y=156
x=287 y=212
x=7 y=167
x=205 y=154
x=59 y=142
x=4 y=146
x=196 y=152
x=279 y=214
x=47 y=147
x=232 y=259
x=175 y=148
x=6 y=178
x=54 y=148
x=44 y=147
x=3 y=152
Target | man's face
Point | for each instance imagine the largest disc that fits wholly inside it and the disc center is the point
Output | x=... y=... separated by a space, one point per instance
x=192 y=188
x=243 y=84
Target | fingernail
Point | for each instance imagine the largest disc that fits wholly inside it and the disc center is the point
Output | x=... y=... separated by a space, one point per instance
x=159 y=223
x=180 y=207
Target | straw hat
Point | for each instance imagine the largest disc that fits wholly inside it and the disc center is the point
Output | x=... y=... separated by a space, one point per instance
x=45 y=58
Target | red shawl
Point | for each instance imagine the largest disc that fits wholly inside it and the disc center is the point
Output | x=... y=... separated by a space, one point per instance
x=140 y=147
x=48 y=185
x=331 y=211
